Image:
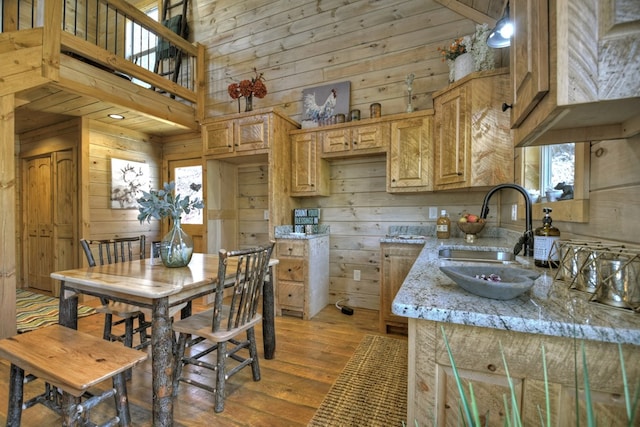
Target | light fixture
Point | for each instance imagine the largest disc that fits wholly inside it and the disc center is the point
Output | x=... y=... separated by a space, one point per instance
x=500 y=36
x=116 y=116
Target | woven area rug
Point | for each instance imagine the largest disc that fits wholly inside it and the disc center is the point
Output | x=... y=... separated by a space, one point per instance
x=35 y=310
x=372 y=388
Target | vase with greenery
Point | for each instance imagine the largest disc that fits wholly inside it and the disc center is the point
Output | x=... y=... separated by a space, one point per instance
x=176 y=247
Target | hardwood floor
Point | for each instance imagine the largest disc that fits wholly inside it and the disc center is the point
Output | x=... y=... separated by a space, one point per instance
x=309 y=357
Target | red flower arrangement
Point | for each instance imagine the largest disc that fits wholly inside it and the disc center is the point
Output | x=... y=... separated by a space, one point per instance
x=456 y=49
x=248 y=89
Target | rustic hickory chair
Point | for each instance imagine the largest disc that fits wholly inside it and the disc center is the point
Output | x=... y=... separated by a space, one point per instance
x=72 y=362
x=221 y=325
x=113 y=251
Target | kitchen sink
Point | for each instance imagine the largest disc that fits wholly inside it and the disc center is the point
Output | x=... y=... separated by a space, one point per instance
x=502 y=257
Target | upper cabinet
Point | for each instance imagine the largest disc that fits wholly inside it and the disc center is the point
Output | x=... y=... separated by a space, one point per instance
x=238 y=136
x=473 y=146
x=410 y=158
x=574 y=70
x=309 y=172
x=355 y=140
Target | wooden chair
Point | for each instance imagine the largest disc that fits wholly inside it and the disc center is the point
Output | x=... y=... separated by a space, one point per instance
x=112 y=251
x=71 y=362
x=221 y=325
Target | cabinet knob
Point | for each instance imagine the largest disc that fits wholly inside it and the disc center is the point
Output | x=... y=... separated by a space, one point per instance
x=506 y=106
x=492 y=367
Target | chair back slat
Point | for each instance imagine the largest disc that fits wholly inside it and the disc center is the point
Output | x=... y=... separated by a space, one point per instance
x=251 y=269
x=115 y=250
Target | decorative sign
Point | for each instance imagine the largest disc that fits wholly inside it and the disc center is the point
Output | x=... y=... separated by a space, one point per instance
x=128 y=180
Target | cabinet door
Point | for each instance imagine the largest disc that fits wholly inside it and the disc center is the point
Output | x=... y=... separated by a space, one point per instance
x=336 y=141
x=453 y=137
x=397 y=260
x=218 y=138
x=252 y=133
x=529 y=56
x=309 y=173
x=367 y=137
x=409 y=165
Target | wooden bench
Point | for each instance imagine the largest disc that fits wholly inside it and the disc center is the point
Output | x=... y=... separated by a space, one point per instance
x=73 y=362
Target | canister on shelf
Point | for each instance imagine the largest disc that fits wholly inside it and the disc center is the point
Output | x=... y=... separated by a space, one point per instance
x=355 y=115
x=375 y=110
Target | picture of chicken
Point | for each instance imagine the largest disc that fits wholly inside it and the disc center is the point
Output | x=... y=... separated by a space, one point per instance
x=321 y=104
x=316 y=112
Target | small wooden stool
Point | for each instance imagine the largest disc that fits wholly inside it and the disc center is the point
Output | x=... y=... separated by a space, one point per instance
x=72 y=361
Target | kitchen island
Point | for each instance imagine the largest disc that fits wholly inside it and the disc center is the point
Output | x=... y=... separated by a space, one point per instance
x=549 y=315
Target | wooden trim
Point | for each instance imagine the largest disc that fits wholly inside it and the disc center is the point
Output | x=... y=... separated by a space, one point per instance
x=51 y=40
x=468 y=12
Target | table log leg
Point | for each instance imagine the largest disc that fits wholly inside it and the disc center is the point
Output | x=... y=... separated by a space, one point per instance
x=68 y=308
x=268 y=317
x=162 y=364
x=16 y=395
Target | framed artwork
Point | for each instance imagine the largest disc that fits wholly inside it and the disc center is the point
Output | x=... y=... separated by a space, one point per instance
x=128 y=179
x=321 y=103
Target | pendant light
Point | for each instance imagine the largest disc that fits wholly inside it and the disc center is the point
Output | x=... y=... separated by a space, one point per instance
x=500 y=36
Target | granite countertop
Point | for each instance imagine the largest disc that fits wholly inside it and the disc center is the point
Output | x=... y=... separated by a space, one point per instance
x=549 y=308
x=286 y=232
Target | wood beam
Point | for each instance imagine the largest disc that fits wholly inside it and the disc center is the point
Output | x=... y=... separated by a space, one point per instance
x=468 y=12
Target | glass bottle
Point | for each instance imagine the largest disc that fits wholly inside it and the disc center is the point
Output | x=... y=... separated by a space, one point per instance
x=545 y=250
x=443 y=225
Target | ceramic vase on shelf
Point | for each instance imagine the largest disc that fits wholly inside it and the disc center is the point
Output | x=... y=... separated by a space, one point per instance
x=249 y=103
x=463 y=66
x=176 y=246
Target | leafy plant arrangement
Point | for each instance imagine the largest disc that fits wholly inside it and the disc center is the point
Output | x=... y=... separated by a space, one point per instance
x=164 y=203
x=476 y=45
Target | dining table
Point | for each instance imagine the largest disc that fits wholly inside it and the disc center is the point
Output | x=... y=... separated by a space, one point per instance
x=158 y=288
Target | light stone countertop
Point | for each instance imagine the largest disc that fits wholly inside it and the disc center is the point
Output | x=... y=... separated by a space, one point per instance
x=549 y=308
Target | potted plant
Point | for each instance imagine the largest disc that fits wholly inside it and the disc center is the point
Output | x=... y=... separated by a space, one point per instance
x=176 y=247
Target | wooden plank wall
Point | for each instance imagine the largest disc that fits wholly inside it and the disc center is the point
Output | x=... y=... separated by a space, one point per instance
x=359 y=213
x=614 y=196
x=107 y=142
x=306 y=43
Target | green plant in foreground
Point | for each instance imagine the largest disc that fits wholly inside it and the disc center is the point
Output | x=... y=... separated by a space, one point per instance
x=469 y=409
x=164 y=203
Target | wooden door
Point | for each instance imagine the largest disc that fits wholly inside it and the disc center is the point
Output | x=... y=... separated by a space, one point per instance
x=50 y=210
x=38 y=248
x=186 y=173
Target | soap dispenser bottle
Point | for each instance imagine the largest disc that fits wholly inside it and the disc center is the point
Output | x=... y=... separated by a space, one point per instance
x=443 y=225
x=545 y=250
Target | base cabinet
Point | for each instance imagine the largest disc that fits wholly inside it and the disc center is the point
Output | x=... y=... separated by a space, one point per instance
x=476 y=351
x=397 y=260
x=303 y=276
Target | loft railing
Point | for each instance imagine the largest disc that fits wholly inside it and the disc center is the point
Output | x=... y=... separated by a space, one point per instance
x=115 y=36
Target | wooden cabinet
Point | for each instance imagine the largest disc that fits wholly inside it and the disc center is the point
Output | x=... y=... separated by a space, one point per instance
x=239 y=136
x=410 y=161
x=261 y=159
x=477 y=353
x=356 y=139
x=574 y=71
x=473 y=146
x=309 y=172
x=397 y=260
x=303 y=276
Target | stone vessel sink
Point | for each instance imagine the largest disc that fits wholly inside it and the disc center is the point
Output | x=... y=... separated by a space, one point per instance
x=477 y=256
x=513 y=281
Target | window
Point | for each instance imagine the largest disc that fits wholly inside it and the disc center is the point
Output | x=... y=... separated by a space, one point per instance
x=141 y=45
x=562 y=168
x=550 y=174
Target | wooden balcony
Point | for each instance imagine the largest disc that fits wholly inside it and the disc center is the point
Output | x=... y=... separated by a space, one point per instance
x=61 y=61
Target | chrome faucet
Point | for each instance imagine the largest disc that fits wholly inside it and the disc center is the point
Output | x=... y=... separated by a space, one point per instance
x=527 y=237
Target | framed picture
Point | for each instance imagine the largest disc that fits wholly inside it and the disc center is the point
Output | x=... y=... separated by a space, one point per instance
x=321 y=103
x=128 y=179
